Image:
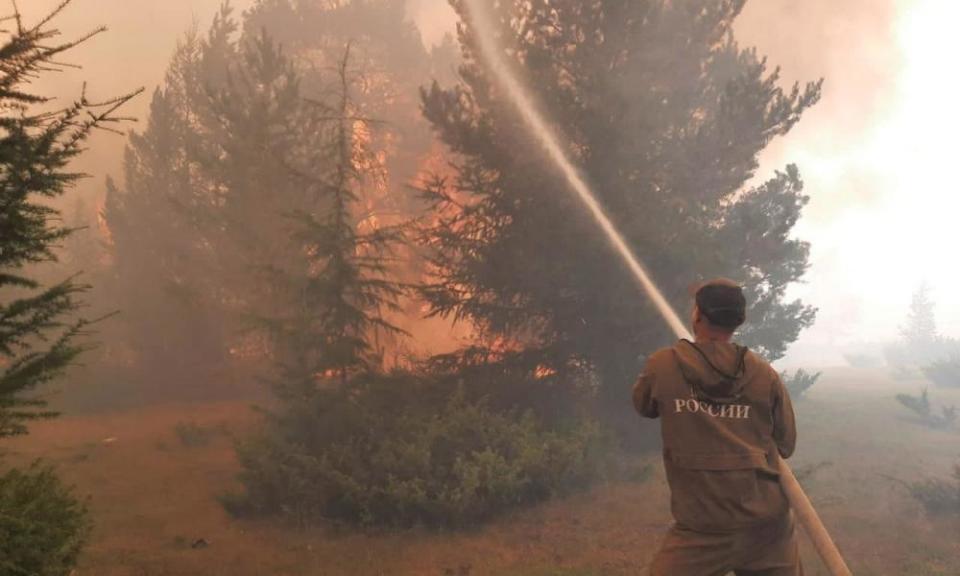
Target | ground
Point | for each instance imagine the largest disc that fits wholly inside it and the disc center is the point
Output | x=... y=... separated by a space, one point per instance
x=153 y=477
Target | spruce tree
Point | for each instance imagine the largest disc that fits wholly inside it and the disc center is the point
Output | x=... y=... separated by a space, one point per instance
x=201 y=212
x=40 y=327
x=226 y=169
x=339 y=290
x=920 y=329
x=395 y=63
x=665 y=114
x=167 y=319
x=43 y=527
x=328 y=324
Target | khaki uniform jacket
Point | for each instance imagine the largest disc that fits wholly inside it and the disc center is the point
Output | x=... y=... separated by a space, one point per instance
x=725 y=415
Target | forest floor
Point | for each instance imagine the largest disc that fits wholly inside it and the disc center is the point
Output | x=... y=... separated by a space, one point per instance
x=153 y=477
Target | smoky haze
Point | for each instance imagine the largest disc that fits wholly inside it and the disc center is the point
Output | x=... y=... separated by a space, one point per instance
x=858 y=46
x=377 y=222
x=861 y=276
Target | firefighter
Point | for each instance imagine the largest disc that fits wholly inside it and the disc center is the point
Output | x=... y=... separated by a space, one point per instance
x=726 y=417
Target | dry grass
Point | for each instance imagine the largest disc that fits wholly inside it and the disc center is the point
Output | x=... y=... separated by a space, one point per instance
x=152 y=497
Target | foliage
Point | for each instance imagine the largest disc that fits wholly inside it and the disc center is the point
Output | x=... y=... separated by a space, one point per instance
x=39 y=328
x=939 y=497
x=211 y=187
x=665 y=114
x=401 y=452
x=800 y=382
x=174 y=270
x=920 y=343
x=921 y=406
x=334 y=297
x=921 y=327
x=42 y=525
x=348 y=443
x=326 y=314
x=231 y=163
x=944 y=373
x=386 y=45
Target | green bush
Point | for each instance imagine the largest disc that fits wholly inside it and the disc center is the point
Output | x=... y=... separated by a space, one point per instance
x=921 y=406
x=799 y=383
x=939 y=497
x=401 y=454
x=944 y=373
x=42 y=525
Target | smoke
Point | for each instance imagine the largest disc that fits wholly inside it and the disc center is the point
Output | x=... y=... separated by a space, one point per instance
x=435 y=18
x=538 y=125
x=135 y=51
x=875 y=153
x=853 y=45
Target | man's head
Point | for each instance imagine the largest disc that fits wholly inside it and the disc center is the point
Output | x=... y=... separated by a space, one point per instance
x=720 y=308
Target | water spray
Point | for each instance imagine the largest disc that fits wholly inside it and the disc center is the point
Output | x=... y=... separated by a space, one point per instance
x=485 y=35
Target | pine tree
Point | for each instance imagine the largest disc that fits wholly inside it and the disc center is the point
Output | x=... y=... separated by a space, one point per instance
x=202 y=209
x=921 y=326
x=339 y=290
x=169 y=314
x=387 y=47
x=40 y=333
x=665 y=114
x=920 y=345
x=226 y=168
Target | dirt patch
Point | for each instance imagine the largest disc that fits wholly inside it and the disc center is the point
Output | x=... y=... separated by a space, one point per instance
x=154 y=499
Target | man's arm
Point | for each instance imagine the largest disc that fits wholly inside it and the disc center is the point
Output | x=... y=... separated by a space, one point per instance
x=643 y=394
x=784 y=423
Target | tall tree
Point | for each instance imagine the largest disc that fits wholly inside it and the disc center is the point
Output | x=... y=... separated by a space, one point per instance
x=339 y=289
x=920 y=328
x=665 y=114
x=238 y=142
x=40 y=333
x=170 y=314
x=920 y=344
x=202 y=211
x=387 y=47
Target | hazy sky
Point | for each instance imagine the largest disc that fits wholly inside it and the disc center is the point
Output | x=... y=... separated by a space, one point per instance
x=876 y=153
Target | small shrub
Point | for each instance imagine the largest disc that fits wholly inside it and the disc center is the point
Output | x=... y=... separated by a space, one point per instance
x=939 y=497
x=798 y=384
x=944 y=373
x=359 y=458
x=42 y=525
x=921 y=406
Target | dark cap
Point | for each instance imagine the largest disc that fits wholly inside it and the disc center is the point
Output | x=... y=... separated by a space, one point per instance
x=723 y=303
